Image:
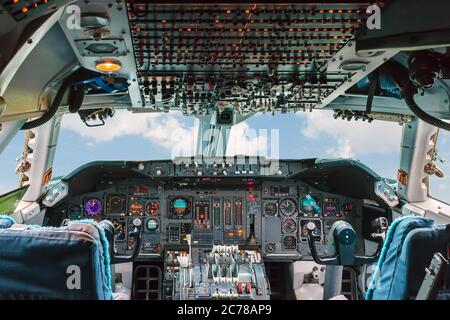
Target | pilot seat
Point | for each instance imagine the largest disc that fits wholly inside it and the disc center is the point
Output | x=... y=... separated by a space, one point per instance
x=404 y=271
x=40 y=263
x=412 y=263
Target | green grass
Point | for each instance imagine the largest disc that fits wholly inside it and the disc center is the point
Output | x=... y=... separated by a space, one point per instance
x=9 y=201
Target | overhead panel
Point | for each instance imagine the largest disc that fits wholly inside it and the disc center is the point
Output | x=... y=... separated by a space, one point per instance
x=251 y=57
x=23 y=9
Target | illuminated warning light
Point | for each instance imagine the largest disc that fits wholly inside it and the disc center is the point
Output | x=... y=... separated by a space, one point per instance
x=24 y=10
x=402 y=177
x=231 y=234
x=240 y=232
x=47 y=176
x=108 y=65
x=251 y=197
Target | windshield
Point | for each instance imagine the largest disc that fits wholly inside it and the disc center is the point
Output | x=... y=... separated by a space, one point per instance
x=130 y=136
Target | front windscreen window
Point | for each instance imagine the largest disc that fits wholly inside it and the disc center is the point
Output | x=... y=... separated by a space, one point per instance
x=152 y=136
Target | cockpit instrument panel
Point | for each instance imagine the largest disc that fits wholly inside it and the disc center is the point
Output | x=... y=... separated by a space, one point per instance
x=288 y=209
x=258 y=212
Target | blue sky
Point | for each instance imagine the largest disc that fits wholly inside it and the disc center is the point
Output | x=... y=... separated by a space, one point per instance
x=154 y=136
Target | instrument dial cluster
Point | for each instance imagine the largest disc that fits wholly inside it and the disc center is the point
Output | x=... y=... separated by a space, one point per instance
x=285 y=218
x=273 y=216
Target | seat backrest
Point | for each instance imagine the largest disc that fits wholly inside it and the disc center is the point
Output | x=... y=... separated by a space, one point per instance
x=6 y=222
x=55 y=263
x=410 y=244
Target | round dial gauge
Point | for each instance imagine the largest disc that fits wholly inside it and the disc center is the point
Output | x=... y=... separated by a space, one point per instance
x=75 y=212
x=288 y=208
x=270 y=247
x=93 y=207
x=136 y=208
x=290 y=243
x=152 y=225
x=309 y=206
x=289 y=226
x=270 y=209
x=179 y=207
x=152 y=208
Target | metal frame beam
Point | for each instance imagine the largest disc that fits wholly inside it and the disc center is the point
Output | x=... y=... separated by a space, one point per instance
x=37 y=160
x=417 y=143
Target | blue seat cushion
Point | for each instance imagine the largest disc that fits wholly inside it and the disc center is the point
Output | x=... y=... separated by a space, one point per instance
x=55 y=263
x=410 y=245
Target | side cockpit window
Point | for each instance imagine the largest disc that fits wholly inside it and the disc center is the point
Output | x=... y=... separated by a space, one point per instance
x=439 y=185
x=10 y=200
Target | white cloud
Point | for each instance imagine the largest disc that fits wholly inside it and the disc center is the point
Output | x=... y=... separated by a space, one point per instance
x=123 y=123
x=245 y=140
x=167 y=131
x=352 y=138
x=343 y=149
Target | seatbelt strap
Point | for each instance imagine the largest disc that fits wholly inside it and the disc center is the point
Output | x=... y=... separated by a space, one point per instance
x=434 y=278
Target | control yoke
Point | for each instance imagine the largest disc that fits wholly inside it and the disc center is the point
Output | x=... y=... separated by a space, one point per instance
x=342 y=238
x=110 y=235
